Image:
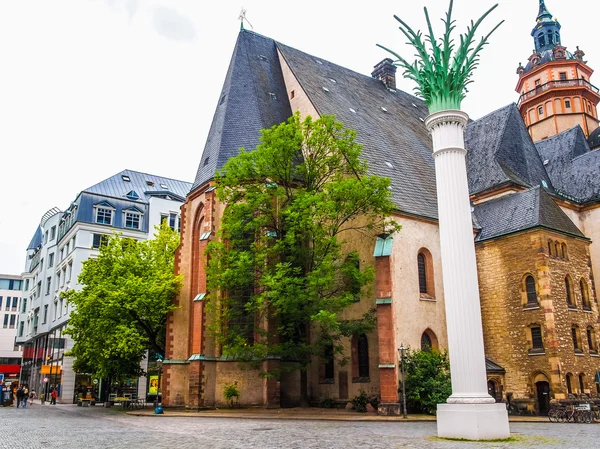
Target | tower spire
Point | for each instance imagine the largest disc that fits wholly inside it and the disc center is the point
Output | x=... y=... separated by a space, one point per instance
x=544 y=13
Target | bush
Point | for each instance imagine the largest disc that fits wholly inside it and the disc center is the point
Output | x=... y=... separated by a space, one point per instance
x=427 y=380
x=327 y=403
x=231 y=391
x=360 y=402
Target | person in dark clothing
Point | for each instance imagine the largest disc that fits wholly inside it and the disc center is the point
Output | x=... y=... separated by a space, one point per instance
x=19 y=395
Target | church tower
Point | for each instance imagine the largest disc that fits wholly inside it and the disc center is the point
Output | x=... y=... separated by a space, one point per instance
x=556 y=93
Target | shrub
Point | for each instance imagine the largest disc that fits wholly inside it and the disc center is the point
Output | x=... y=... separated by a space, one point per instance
x=427 y=380
x=360 y=402
x=231 y=391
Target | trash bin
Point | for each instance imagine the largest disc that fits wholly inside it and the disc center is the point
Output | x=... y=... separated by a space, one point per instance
x=7 y=397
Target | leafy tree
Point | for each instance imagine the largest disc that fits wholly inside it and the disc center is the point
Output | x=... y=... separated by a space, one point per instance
x=427 y=380
x=121 y=311
x=280 y=275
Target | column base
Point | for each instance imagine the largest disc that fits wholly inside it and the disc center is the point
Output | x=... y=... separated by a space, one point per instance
x=473 y=421
x=389 y=409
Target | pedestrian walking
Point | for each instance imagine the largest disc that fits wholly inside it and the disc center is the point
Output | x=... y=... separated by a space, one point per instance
x=25 y=396
x=19 y=395
x=53 y=395
x=32 y=396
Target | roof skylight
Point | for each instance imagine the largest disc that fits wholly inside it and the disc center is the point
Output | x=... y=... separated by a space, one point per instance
x=126 y=178
x=388 y=164
x=353 y=111
x=164 y=186
x=325 y=89
x=149 y=183
x=383 y=109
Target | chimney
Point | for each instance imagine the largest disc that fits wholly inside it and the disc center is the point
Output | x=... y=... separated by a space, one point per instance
x=386 y=72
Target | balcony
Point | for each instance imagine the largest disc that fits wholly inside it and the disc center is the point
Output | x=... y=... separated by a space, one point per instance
x=559 y=84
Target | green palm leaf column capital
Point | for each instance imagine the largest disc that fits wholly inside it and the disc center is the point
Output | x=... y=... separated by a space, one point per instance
x=442 y=69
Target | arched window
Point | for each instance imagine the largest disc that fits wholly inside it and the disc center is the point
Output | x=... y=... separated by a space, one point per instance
x=550 y=248
x=569 y=379
x=363 y=356
x=576 y=338
x=581 y=383
x=422 y=265
x=569 y=294
x=425 y=271
x=591 y=339
x=530 y=290
x=429 y=340
x=557 y=249
x=585 y=295
x=564 y=251
x=425 y=342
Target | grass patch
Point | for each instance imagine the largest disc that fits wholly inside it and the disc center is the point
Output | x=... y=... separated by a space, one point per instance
x=525 y=439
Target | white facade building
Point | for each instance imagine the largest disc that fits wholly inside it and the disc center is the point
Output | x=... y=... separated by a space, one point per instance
x=130 y=203
x=10 y=352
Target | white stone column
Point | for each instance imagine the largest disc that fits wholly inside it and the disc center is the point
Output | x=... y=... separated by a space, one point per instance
x=470 y=407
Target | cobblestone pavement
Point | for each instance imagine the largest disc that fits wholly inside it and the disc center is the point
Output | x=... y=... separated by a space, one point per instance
x=66 y=427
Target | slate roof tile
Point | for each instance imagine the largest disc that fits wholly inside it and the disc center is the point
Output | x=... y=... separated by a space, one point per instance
x=521 y=211
x=572 y=166
x=117 y=187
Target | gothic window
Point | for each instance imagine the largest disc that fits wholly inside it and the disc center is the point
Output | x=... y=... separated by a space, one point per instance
x=563 y=249
x=581 y=383
x=425 y=342
x=591 y=338
x=569 y=383
x=530 y=290
x=422 y=273
x=569 y=290
x=363 y=356
x=585 y=295
x=576 y=338
x=550 y=248
x=425 y=269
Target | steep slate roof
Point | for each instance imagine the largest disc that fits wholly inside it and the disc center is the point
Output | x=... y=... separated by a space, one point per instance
x=396 y=136
x=572 y=166
x=253 y=97
x=521 y=211
x=36 y=240
x=116 y=187
x=501 y=150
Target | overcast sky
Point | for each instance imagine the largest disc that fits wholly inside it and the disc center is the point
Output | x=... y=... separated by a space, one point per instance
x=91 y=87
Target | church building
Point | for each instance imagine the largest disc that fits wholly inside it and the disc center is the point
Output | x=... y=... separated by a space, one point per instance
x=535 y=189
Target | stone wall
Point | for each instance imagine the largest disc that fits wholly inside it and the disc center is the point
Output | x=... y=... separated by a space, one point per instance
x=503 y=265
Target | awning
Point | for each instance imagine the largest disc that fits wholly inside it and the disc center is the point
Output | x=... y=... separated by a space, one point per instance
x=491 y=367
x=51 y=369
x=6 y=369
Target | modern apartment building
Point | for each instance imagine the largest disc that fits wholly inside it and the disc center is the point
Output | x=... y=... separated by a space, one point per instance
x=130 y=203
x=10 y=352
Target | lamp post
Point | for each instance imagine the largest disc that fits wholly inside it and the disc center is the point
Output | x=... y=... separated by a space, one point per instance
x=158 y=410
x=401 y=349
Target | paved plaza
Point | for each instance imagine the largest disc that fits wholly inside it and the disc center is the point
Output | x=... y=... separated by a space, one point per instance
x=66 y=426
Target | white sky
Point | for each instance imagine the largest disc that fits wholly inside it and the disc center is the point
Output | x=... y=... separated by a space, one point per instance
x=91 y=87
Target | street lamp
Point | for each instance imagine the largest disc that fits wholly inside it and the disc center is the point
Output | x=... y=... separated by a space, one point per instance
x=401 y=349
x=158 y=410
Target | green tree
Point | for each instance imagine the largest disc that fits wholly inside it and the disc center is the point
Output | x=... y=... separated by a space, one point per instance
x=280 y=275
x=121 y=310
x=427 y=380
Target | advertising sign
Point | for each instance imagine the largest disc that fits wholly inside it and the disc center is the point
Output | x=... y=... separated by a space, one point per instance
x=153 y=389
x=1 y=379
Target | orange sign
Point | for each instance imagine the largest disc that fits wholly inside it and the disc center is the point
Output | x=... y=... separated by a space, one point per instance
x=51 y=369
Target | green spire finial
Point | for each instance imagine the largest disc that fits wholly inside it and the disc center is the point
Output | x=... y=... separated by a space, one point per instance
x=442 y=72
x=544 y=13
